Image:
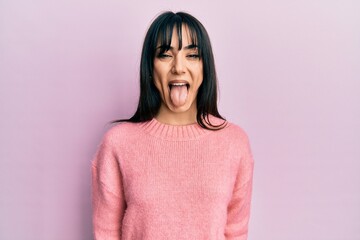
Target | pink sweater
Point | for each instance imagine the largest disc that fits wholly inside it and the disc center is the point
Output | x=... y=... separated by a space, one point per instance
x=156 y=181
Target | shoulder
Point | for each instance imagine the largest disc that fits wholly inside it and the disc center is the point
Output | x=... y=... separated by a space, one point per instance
x=115 y=138
x=121 y=133
x=240 y=143
x=236 y=136
x=237 y=132
x=229 y=129
x=230 y=133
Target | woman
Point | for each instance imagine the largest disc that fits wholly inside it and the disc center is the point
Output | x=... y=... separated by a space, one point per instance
x=176 y=169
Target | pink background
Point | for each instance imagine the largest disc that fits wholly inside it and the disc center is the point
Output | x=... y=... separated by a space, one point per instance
x=289 y=74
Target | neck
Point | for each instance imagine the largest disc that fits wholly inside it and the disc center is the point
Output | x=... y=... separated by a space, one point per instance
x=167 y=116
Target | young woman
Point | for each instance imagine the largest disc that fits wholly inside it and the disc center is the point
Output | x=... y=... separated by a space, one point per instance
x=176 y=169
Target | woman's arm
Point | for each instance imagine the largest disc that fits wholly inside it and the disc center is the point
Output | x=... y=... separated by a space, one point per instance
x=108 y=200
x=239 y=206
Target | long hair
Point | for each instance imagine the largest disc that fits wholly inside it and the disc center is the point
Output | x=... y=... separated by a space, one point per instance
x=160 y=31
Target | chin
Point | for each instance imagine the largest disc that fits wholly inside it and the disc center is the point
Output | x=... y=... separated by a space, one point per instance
x=179 y=109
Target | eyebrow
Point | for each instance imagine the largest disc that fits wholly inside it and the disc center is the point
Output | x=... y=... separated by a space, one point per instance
x=191 y=46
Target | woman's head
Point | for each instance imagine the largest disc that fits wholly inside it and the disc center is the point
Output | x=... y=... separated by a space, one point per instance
x=182 y=35
x=178 y=75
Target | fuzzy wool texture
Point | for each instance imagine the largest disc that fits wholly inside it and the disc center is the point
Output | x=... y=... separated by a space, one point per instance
x=156 y=181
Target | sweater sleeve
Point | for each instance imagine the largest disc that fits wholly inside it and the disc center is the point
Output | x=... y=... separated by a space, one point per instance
x=108 y=200
x=238 y=211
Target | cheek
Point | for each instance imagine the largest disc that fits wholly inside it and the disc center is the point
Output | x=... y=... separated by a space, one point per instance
x=200 y=76
x=156 y=76
x=157 y=83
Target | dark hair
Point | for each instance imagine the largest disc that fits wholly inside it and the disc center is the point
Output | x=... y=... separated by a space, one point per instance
x=160 y=31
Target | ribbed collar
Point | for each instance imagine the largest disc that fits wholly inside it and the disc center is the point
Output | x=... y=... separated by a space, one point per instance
x=177 y=132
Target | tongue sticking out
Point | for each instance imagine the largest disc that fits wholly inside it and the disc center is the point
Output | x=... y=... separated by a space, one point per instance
x=178 y=95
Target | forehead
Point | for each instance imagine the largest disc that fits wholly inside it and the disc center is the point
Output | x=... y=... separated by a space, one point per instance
x=176 y=37
x=185 y=37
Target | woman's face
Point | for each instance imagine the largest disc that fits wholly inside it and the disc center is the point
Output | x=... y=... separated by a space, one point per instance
x=178 y=75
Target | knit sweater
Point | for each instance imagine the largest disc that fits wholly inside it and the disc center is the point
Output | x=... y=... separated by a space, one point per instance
x=156 y=181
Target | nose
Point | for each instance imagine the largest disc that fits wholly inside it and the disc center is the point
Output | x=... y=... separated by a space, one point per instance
x=178 y=65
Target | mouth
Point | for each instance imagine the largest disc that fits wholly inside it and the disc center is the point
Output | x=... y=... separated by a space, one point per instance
x=178 y=92
x=179 y=84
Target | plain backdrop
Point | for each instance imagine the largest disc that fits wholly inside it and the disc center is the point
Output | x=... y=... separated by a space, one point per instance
x=289 y=74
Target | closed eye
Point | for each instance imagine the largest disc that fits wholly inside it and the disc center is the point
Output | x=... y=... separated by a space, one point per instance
x=163 y=55
x=193 y=56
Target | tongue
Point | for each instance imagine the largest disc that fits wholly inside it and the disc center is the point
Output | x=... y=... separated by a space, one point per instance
x=178 y=95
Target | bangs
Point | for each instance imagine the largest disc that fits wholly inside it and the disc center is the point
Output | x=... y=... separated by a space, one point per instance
x=165 y=33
